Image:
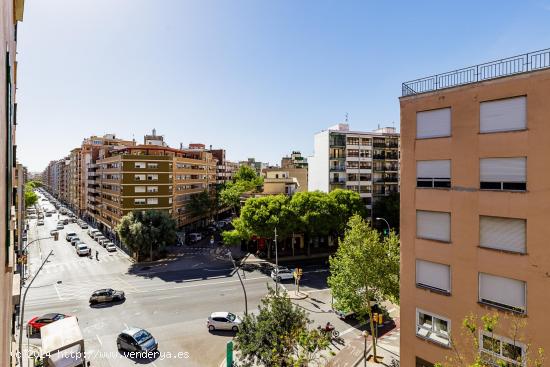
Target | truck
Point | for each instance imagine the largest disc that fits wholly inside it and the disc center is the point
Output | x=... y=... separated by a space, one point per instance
x=63 y=344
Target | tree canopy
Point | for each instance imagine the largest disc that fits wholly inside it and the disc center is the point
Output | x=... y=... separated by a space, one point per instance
x=30 y=196
x=312 y=213
x=387 y=207
x=200 y=204
x=365 y=269
x=147 y=231
x=279 y=335
x=246 y=179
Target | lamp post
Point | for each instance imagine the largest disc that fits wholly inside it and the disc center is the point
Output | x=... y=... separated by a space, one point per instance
x=242 y=284
x=382 y=219
x=276 y=265
x=365 y=335
x=22 y=315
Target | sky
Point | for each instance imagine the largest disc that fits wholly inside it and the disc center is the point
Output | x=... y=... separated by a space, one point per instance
x=256 y=77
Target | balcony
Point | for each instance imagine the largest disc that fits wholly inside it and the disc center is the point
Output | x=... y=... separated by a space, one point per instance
x=525 y=63
x=337 y=182
x=338 y=168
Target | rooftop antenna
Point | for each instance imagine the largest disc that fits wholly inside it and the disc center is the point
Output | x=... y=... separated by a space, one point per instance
x=347 y=117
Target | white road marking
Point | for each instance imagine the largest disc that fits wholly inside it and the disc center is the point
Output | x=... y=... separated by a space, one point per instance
x=318 y=290
x=57 y=291
x=99 y=340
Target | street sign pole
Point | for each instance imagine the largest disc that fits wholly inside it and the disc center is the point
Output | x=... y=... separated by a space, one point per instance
x=229 y=354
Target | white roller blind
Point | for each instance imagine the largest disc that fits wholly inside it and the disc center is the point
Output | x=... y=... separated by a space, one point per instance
x=503 y=115
x=432 y=169
x=505 y=291
x=502 y=233
x=433 y=275
x=502 y=169
x=432 y=124
x=433 y=225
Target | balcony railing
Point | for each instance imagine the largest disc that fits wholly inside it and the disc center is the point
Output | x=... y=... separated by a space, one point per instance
x=491 y=70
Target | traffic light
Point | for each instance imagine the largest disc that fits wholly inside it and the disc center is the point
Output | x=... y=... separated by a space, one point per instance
x=385 y=232
x=380 y=319
x=375 y=317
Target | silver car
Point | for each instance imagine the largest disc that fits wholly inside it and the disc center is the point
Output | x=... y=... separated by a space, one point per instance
x=223 y=321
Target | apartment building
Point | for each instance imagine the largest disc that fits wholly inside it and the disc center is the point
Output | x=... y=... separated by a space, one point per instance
x=474 y=208
x=74 y=177
x=295 y=160
x=150 y=176
x=366 y=162
x=285 y=180
x=11 y=13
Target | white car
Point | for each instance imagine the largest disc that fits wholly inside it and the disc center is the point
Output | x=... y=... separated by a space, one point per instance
x=282 y=274
x=82 y=249
x=223 y=321
x=195 y=237
x=110 y=247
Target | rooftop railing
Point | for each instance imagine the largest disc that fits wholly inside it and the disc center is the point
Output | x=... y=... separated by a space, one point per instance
x=491 y=70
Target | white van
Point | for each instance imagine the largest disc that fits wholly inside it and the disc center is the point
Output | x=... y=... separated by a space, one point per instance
x=82 y=249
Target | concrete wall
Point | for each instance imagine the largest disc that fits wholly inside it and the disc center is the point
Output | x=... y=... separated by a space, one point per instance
x=318 y=167
x=466 y=203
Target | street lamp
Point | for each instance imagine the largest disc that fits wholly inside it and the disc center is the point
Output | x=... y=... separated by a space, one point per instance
x=382 y=219
x=276 y=265
x=242 y=284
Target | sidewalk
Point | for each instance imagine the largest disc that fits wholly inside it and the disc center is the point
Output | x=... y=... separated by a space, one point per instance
x=352 y=354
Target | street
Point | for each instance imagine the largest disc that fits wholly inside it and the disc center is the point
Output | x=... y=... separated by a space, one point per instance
x=171 y=299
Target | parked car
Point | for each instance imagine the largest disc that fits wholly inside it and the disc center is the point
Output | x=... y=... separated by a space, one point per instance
x=194 y=237
x=103 y=242
x=136 y=340
x=82 y=249
x=98 y=235
x=36 y=323
x=91 y=231
x=52 y=232
x=66 y=221
x=223 y=321
x=69 y=235
x=59 y=226
x=40 y=222
x=75 y=240
x=100 y=238
x=48 y=214
x=110 y=247
x=83 y=225
x=282 y=273
x=106 y=295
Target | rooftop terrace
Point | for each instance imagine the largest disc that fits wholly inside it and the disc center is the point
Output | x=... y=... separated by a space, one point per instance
x=490 y=70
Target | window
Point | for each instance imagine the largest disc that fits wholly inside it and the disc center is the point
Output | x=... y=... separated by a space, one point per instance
x=169 y=200
x=139 y=164
x=502 y=233
x=139 y=177
x=433 y=327
x=502 y=292
x=423 y=363
x=153 y=177
x=503 y=115
x=433 y=275
x=152 y=165
x=433 y=173
x=433 y=225
x=496 y=348
x=502 y=173
x=140 y=201
x=433 y=124
x=152 y=189
x=139 y=189
x=152 y=201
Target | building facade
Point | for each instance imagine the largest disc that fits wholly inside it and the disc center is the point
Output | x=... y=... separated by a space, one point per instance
x=11 y=13
x=474 y=209
x=366 y=162
x=295 y=160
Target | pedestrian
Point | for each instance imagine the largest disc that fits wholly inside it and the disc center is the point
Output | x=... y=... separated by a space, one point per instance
x=97 y=255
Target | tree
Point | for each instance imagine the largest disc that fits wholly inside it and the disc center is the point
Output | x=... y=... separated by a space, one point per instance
x=364 y=269
x=279 y=335
x=346 y=203
x=387 y=207
x=147 y=231
x=467 y=351
x=200 y=204
x=246 y=179
x=30 y=196
x=261 y=216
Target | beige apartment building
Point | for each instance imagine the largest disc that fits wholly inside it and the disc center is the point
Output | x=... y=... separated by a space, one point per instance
x=11 y=13
x=475 y=149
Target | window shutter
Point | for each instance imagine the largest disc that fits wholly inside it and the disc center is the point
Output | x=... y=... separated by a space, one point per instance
x=433 y=169
x=502 y=233
x=503 y=291
x=503 y=115
x=432 y=124
x=502 y=169
x=433 y=225
x=433 y=275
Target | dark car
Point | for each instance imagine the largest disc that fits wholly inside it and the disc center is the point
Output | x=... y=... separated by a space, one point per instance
x=136 y=340
x=106 y=295
x=66 y=221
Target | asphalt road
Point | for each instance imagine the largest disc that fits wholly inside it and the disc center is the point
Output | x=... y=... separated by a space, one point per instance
x=172 y=299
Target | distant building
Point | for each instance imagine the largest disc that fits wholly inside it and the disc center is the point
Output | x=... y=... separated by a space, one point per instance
x=252 y=163
x=294 y=161
x=295 y=177
x=366 y=162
